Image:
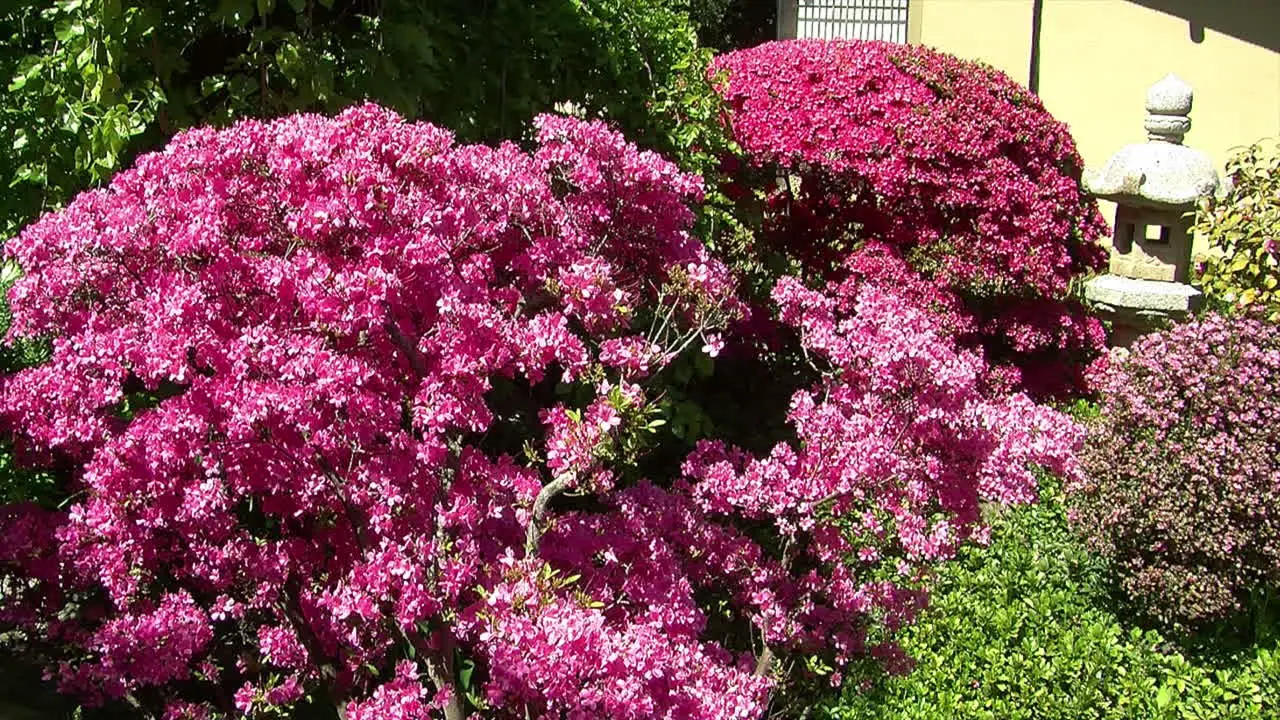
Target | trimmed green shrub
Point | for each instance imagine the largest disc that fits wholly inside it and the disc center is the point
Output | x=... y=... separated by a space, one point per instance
x=1243 y=231
x=1024 y=630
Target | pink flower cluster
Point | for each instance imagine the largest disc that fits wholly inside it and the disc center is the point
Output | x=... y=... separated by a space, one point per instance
x=295 y=363
x=951 y=163
x=902 y=438
x=403 y=698
x=318 y=308
x=591 y=664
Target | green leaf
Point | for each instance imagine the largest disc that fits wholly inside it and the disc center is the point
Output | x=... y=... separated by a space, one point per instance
x=29 y=173
x=465 y=671
x=28 y=69
x=68 y=30
x=235 y=12
x=85 y=57
x=212 y=84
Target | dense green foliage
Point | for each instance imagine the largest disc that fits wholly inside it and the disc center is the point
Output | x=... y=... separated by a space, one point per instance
x=92 y=82
x=725 y=25
x=1243 y=230
x=1027 y=629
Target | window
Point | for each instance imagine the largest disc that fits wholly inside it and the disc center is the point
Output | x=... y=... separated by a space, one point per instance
x=853 y=19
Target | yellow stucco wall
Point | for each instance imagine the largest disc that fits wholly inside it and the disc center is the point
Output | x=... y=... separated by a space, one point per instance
x=997 y=32
x=1098 y=57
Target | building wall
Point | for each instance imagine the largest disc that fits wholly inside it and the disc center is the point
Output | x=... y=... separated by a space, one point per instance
x=997 y=32
x=1098 y=57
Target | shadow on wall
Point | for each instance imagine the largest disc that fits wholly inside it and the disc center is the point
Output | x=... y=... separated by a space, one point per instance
x=1254 y=21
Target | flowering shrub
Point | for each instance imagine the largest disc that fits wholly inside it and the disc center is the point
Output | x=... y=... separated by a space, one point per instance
x=360 y=421
x=950 y=164
x=1243 y=231
x=1181 y=468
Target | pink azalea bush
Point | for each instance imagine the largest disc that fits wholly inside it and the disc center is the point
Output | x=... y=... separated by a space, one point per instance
x=945 y=164
x=1182 y=482
x=309 y=373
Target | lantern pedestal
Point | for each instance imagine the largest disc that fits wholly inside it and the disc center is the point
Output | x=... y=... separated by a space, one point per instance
x=1135 y=307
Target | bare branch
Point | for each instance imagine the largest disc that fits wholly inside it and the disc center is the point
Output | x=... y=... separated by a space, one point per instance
x=338 y=485
x=410 y=351
x=440 y=673
x=764 y=664
x=545 y=496
x=292 y=611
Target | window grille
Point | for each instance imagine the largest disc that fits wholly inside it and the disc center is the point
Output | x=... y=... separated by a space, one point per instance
x=853 y=19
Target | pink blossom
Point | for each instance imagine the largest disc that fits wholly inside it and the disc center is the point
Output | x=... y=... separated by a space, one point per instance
x=949 y=168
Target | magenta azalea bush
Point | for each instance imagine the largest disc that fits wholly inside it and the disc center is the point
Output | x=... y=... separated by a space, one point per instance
x=359 y=418
x=1182 y=482
x=944 y=164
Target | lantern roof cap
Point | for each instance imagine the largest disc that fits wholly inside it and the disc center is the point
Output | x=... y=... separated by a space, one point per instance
x=1161 y=173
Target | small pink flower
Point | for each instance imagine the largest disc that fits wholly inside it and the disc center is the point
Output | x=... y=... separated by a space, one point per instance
x=714 y=344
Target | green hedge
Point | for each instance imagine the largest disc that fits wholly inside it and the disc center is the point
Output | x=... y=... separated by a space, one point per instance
x=1026 y=629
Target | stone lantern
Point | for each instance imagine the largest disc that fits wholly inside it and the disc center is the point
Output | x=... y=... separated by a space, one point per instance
x=1154 y=186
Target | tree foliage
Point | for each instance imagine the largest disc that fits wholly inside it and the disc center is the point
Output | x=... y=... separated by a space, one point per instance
x=90 y=83
x=1242 y=227
x=727 y=25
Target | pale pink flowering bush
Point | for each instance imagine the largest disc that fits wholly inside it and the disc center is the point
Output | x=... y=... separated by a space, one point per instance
x=945 y=163
x=358 y=420
x=1182 y=483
